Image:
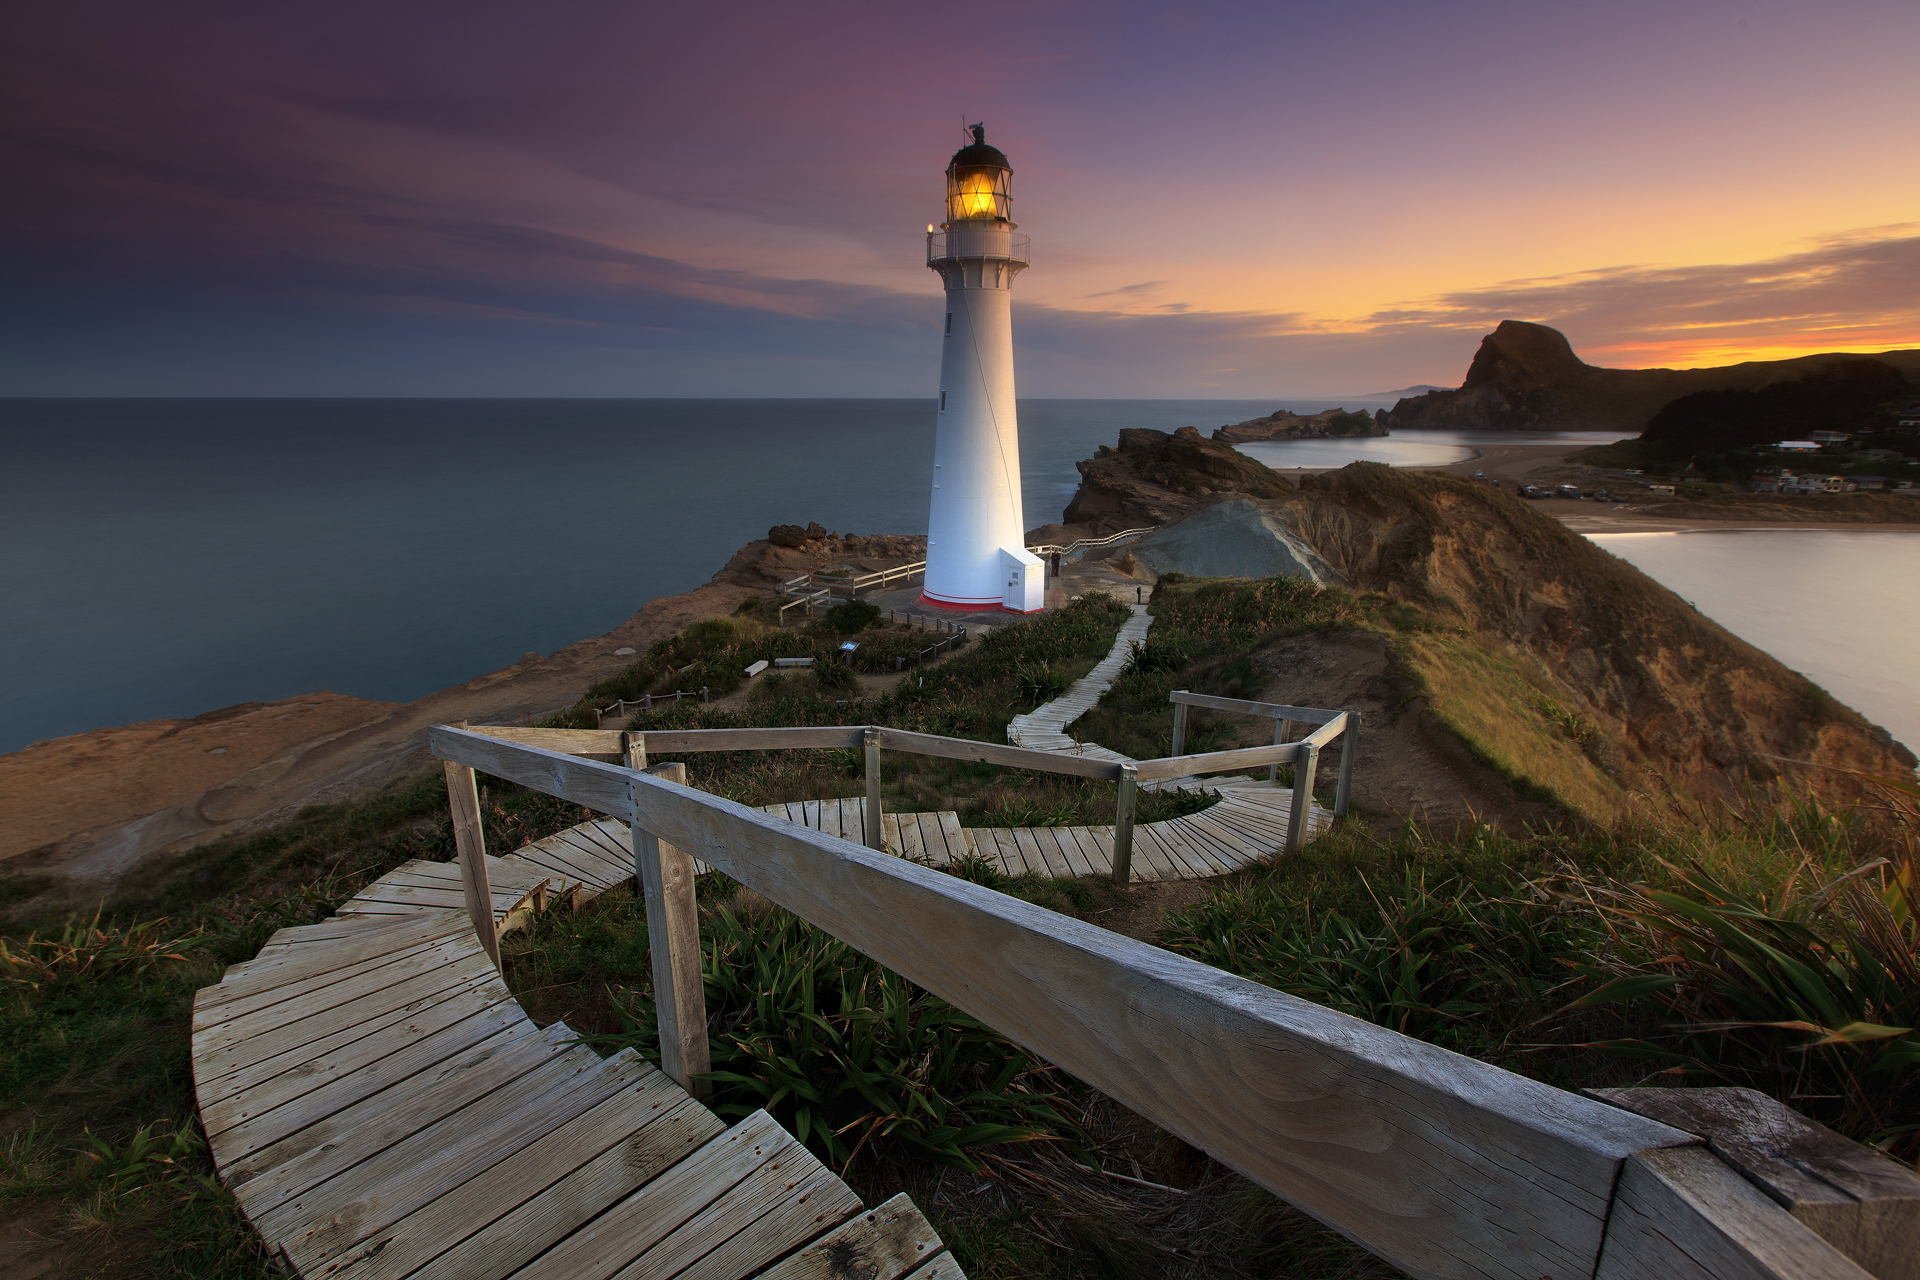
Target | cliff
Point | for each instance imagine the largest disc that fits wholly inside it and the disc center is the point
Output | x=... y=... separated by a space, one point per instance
x=1571 y=672
x=1568 y=668
x=1526 y=377
x=1152 y=477
x=1283 y=424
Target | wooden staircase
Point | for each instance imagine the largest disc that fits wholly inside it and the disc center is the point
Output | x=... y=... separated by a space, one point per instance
x=383 y=1109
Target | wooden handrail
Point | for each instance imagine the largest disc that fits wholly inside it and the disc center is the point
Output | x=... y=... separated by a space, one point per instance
x=1241 y=706
x=1216 y=762
x=1443 y=1165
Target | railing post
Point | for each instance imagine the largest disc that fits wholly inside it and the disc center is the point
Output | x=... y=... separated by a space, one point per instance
x=1303 y=769
x=1123 y=825
x=1180 y=710
x=1343 y=788
x=634 y=747
x=871 y=741
x=1282 y=729
x=673 y=937
x=469 y=840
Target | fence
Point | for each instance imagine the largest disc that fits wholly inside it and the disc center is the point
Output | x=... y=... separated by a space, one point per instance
x=646 y=702
x=812 y=588
x=1443 y=1165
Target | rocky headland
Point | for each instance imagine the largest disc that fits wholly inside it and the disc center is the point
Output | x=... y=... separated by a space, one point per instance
x=1526 y=377
x=1154 y=477
x=1284 y=424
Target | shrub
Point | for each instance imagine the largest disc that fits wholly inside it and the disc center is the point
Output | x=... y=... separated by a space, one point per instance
x=850 y=617
x=1810 y=992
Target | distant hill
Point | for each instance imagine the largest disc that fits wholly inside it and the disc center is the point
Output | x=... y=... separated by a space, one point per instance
x=1526 y=377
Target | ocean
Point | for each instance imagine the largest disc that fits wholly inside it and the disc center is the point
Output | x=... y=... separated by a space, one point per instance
x=163 y=558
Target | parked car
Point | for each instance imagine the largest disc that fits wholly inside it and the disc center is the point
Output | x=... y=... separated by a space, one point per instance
x=1566 y=491
x=1601 y=495
x=1532 y=491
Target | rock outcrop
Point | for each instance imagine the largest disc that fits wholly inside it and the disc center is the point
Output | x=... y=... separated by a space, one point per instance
x=1526 y=377
x=1283 y=424
x=1154 y=477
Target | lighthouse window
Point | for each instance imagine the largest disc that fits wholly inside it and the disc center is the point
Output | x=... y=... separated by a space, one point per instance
x=943 y=399
x=949 y=322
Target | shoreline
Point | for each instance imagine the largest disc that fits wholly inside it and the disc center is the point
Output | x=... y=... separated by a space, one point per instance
x=158 y=787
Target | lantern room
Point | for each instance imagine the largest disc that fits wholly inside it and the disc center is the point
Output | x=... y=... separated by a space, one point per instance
x=979 y=183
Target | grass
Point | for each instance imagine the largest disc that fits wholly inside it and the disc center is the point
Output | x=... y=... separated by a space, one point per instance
x=1775 y=950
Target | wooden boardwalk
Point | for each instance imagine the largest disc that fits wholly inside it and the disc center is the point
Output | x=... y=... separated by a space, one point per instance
x=382 y=1108
x=1246 y=824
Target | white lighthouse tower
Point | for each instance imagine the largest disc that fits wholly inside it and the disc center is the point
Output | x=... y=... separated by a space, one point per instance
x=976 y=533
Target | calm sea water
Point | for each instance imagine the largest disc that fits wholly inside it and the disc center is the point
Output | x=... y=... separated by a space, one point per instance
x=162 y=558
x=1838 y=605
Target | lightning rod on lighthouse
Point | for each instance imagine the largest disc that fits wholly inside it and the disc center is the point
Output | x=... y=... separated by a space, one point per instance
x=976 y=532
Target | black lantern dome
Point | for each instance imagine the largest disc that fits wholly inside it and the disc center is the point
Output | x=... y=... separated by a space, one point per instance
x=979 y=182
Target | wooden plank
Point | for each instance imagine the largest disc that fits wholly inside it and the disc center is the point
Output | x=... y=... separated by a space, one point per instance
x=890 y=832
x=1682 y=1214
x=932 y=839
x=782 y=1204
x=884 y=1243
x=627 y=1229
x=1241 y=706
x=953 y=834
x=1048 y=841
x=673 y=941
x=1190 y=844
x=1240 y=848
x=265 y=1108
x=268 y=1177
x=1097 y=860
x=493 y=1132
x=1222 y=847
x=225 y=1028
x=1215 y=762
x=602 y=744
x=588 y=783
x=513 y=1211
x=911 y=844
x=1851 y=1196
x=1327 y=733
x=247 y=989
x=688 y=741
x=927 y=744
x=1153 y=851
x=594 y=855
x=942 y=1267
x=1441 y=1164
x=463 y=798
x=541 y=854
x=223 y=1072
x=1125 y=803
x=1302 y=815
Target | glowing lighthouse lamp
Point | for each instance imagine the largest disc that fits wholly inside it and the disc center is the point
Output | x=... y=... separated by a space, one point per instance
x=976 y=534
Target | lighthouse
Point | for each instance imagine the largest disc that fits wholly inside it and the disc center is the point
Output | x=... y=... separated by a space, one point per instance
x=976 y=532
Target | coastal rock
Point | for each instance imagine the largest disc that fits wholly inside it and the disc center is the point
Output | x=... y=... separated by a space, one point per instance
x=1154 y=477
x=1283 y=424
x=1526 y=377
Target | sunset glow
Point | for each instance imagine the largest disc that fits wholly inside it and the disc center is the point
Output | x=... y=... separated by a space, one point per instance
x=1318 y=200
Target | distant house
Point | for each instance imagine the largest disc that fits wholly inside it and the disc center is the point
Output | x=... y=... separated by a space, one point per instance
x=1805 y=484
x=1660 y=490
x=1829 y=437
x=1798 y=446
x=1869 y=484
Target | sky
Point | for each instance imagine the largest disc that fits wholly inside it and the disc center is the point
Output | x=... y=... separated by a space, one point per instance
x=1237 y=200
